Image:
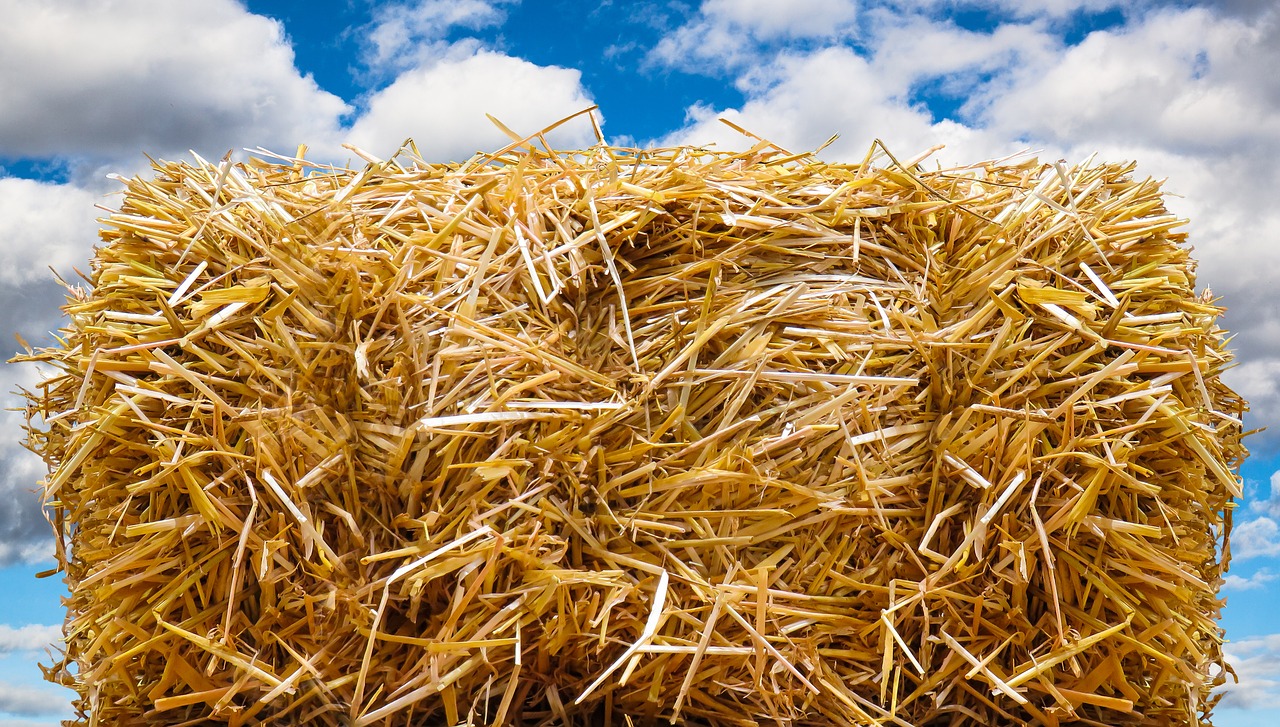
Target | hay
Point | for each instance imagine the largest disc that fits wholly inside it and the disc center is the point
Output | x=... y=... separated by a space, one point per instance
x=618 y=436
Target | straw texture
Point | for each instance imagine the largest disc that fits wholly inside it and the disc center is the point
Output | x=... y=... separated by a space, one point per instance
x=621 y=436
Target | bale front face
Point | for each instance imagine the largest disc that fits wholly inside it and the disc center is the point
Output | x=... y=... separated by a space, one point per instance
x=683 y=435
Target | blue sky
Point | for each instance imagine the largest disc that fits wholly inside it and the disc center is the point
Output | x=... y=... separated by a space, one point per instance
x=1184 y=87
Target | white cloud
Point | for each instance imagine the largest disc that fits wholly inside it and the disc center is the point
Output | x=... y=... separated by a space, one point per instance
x=32 y=637
x=729 y=33
x=44 y=225
x=1187 y=80
x=1256 y=661
x=25 y=536
x=958 y=59
x=116 y=79
x=1271 y=505
x=1249 y=583
x=768 y=19
x=1260 y=537
x=27 y=701
x=407 y=34
x=791 y=103
x=442 y=105
x=1023 y=9
x=1060 y=8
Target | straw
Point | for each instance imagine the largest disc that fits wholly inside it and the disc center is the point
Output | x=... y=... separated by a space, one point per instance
x=620 y=436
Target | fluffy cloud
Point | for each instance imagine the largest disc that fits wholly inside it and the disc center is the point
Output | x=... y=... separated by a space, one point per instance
x=1189 y=80
x=794 y=103
x=113 y=79
x=25 y=537
x=729 y=33
x=958 y=60
x=442 y=105
x=33 y=637
x=44 y=225
x=1256 y=661
x=1260 y=537
x=1271 y=505
x=1056 y=9
x=403 y=35
x=1249 y=583
x=27 y=701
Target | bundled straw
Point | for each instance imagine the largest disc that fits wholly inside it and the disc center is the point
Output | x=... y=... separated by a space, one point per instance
x=620 y=436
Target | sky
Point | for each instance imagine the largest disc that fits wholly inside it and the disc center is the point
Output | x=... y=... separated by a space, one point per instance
x=1188 y=89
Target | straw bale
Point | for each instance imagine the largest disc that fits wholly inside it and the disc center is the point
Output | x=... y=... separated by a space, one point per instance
x=627 y=436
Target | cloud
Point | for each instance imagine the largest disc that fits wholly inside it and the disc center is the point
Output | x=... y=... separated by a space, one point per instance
x=25 y=537
x=27 y=701
x=114 y=79
x=1244 y=8
x=1260 y=537
x=958 y=60
x=1256 y=661
x=32 y=637
x=1022 y=9
x=1185 y=79
x=403 y=35
x=1249 y=583
x=442 y=105
x=726 y=34
x=791 y=103
x=44 y=225
x=1271 y=505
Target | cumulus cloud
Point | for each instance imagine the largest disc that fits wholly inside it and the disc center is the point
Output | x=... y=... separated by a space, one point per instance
x=1255 y=538
x=1249 y=583
x=26 y=701
x=30 y=309
x=44 y=225
x=32 y=637
x=1271 y=505
x=725 y=34
x=442 y=105
x=958 y=60
x=403 y=35
x=1256 y=661
x=792 y=103
x=1056 y=9
x=113 y=79
x=1184 y=79
x=25 y=537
